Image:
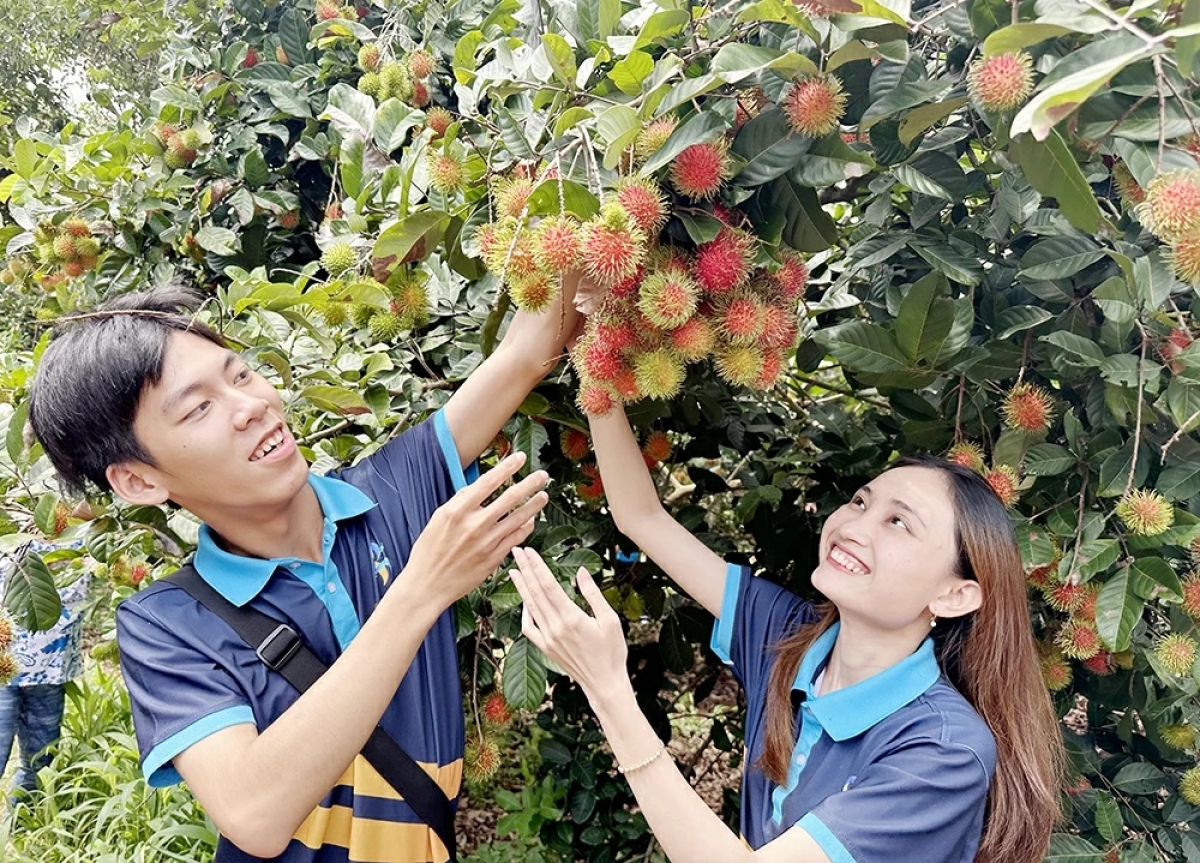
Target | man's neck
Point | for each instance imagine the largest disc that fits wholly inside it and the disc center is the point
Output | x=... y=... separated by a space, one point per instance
x=294 y=531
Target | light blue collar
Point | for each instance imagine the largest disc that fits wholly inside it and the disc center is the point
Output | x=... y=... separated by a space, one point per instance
x=849 y=712
x=239 y=578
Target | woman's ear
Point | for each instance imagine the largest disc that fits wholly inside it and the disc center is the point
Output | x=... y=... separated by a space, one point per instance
x=962 y=597
x=137 y=482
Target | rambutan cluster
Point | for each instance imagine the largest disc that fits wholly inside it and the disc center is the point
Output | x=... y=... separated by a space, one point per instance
x=407 y=308
x=683 y=308
x=181 y=146
x=405 y=78
x=65 y=251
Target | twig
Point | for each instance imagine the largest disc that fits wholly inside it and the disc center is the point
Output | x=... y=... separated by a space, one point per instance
x=1162 y=110
x=332 y=431
x=1122 y=23
x=1179 y=433
x=1141 y=396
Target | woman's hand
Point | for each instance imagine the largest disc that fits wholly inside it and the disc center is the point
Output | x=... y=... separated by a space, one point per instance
x=591 y=649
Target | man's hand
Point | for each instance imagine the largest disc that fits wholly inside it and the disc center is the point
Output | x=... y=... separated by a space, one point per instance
x=467 y=538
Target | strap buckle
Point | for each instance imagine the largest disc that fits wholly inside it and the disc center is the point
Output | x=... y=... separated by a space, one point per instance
x=278 y=647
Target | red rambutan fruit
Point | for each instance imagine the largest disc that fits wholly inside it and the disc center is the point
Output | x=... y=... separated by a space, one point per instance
x=1001 y=82
x=814 y=105
x=724 y=263
x=1191 y=596
x=792 y=276
x=644 y=201
x=420 y=63
x=694 y=340
x=575 y=444
x=557 y=244
x=511 y=195
x=612 y=247
x=439 y=120
x=1184 y=256
x=1100 y=663
x=1027 y=408
x=657 y=447
x=1004 y=481
x=698 y=172
x=595 y=400
x=591 y=489
x=742 y=320
x=1078 y=640
x=496 y=710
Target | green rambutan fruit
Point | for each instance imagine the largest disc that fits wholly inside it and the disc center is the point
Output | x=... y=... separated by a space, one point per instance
x=668 y=300
x=659 y=373
x=740 y=365
x=385 y=326
x=339 y=258
x=369 y=57
x=511 y=195
x=653 y=136
x=534 y=293
x=445 y=172
x=1145 y=512
x=370 y=84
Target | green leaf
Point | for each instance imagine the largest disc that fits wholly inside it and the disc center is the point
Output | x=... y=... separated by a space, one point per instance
x=219 y=241
x=1161 y=573
x=629 y=73
x=1080 y=350
x=530 y=438
x=674 y=647
x=701 y=127
x=951 y=263
x=293 y=35
x=1059 y=257
x=829 y=161
x=1179 y=482
x=1183 y=404
x=1016 y=319
x=14 y=440
x=1047 y=459
x=254 y=169
x=1187 y=46
x=524 y=675
x=618 y=127
x=1118 y=610
x=662 y=24
x=1152 y=280
x=242 y=203
x=576 y=199
x=1059 y=100
x=863 y=347
x=1065 y=848
x=701 y=228
x=397 y=241
x=1053 y=171
x=340 y=400
x=1139 y=778
x=1115 y=300
x=769 y=148
x=392 y=122
x=908 y=94
x=29 y=594
x=352 y=113
x=794 y=214
x=919 y=119
x=1017 y=36
x=1108 y=817
x=1114 y=470
x=987 y=16
x=738 y=60
x=923 y=322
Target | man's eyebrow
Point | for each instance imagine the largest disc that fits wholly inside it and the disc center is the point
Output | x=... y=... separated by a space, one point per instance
x=174 y=399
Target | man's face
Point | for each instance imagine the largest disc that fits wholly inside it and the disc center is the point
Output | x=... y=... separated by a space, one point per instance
x=216 y=432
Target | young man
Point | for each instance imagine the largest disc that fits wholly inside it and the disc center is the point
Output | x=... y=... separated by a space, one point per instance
x=364 y=563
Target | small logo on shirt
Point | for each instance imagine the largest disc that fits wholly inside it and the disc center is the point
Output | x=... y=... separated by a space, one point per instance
x=849 y=783
x=379 y=560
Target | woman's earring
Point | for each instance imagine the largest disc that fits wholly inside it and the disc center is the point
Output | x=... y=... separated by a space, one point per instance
x=932 y=620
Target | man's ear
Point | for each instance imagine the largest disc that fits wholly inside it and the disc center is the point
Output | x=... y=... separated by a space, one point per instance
x=137 y=482
x=962 y=597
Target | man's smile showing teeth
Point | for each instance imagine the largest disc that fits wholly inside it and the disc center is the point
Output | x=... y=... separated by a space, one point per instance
x=847 y=561
x=268 y=445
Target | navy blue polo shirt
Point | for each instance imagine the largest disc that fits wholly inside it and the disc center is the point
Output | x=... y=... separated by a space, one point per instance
x=189 y=674
x=895 y=767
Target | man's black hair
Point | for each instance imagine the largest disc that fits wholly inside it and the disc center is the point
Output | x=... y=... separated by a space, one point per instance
x=91 y=378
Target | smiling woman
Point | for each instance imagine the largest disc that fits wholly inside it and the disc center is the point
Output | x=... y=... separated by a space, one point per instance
x=903 y=719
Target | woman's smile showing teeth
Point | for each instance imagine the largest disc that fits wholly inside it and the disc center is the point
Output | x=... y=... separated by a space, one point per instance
x=268 y=446
x=847 y=561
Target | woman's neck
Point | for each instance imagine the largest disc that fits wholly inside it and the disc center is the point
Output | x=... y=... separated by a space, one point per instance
x=861 y=651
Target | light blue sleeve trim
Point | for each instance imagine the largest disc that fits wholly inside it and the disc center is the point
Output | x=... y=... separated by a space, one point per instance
x=450 y=453
x=156 y=767
x=823 y=836
x=722 y=635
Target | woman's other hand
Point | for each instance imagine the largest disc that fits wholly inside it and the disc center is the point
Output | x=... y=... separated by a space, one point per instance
x=589 y=647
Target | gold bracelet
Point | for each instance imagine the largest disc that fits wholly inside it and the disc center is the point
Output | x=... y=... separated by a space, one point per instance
x=625 y=771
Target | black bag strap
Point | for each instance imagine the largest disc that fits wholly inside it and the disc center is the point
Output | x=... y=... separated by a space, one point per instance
x=282 y=649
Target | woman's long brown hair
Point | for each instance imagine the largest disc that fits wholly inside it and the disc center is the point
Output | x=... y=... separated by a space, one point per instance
x=990 y=658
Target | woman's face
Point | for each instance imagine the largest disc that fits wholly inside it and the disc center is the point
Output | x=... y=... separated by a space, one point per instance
x=889 y=552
